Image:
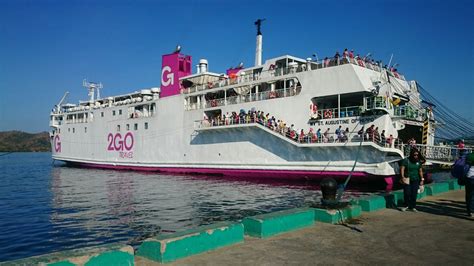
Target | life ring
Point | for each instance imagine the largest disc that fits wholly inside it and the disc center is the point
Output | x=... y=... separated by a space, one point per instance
x=272 y=67
x=273 y=94
x=213 y=103
x=328 y=114
x=209 y=85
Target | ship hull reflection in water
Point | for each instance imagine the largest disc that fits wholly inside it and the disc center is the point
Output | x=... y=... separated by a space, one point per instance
x=101 y=206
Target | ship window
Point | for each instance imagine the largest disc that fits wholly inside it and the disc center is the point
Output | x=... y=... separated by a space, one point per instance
x=113 y=112
x=135 y=126
x=85 y=129
x=146 y=125
x=102 y=114
x=128 y=126
x=120 y=112
x=73 y=130
x=181 y=65
x=118 y=127
x=69 y=130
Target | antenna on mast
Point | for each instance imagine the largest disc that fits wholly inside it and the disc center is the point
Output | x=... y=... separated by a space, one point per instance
x=258 y=23
x=92 y=86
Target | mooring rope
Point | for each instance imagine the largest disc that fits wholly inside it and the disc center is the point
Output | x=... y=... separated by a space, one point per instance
x=340 y=191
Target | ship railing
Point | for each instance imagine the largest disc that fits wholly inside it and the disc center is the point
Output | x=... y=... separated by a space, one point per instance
x=79 y=120
x=296 y=136
x=408 y=112
x=348 y=111
x=55 y=123
x=252 y=97
x=377 y=102
x=437 y=153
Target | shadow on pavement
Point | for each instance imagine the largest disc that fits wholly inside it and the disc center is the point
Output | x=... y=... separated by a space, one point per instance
x=452 y=208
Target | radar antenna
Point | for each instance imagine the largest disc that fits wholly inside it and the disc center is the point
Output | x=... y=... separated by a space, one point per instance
x=92 y=87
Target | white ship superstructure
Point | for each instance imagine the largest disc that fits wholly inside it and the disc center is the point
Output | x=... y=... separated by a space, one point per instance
x=248 y=121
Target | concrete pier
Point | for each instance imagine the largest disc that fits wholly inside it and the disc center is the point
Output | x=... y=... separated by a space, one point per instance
x=439 y=234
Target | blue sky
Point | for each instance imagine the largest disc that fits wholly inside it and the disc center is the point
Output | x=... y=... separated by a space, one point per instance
x=49 y=47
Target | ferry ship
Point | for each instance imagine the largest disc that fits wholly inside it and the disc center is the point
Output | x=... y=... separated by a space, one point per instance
x=286 y=117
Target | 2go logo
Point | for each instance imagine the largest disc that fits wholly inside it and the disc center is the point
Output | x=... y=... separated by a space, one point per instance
x=57 y=144
x=117 y=143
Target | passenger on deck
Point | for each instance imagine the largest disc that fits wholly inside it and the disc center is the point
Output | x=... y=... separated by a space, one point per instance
x=351 y=54
x=390 y=141
x=382 y=137
x=318 y=135
x=292 y=134
x=312 y=136
x=359 y=60
x=376 y=135
x=345 y=135
x=302 y=136
x=338 y=134
x=326 y=135
x=227 y=118
x=326 y=62
x=369 y=133
x=412 y=142
x=345 y=55
x=337 y=58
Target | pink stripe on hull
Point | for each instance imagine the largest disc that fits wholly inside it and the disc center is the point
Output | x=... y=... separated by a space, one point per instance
x=254 y=173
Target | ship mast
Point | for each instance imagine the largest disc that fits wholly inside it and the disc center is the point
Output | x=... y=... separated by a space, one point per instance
x=258 y=50
x=92 y=87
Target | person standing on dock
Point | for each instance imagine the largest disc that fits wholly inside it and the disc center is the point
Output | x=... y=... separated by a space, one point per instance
x=411 y=178
x=470 y=185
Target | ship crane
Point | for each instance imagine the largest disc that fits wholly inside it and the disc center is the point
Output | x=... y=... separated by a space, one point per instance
x=62 y=100
x=92 y=87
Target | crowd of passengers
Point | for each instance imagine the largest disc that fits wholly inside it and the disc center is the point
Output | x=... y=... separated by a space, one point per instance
x=361 y=61
x=340 y=135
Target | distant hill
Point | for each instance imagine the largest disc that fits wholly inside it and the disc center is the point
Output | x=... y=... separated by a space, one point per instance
x=22 y=141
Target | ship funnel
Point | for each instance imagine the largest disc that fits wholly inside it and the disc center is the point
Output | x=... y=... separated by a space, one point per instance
x=202 y=67
x=173 y=67
x=258 y=50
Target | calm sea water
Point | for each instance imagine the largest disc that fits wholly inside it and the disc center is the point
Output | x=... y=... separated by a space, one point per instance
x=45 y=208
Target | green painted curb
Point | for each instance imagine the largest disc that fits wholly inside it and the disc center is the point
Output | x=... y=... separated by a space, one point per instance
x=112 y=254
x=333 y=216
x=266 y=225
x=394 y=198
x=371 y=203
x=170 y=247
x=436 y=188
x=453 y=184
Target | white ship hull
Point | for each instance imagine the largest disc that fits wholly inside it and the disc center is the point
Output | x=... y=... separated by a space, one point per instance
x=168 y=135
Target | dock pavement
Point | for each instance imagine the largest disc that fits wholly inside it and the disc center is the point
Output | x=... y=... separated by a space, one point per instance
x=440 y=233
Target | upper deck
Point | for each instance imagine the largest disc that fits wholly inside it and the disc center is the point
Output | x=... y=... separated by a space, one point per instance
x=273 y=70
